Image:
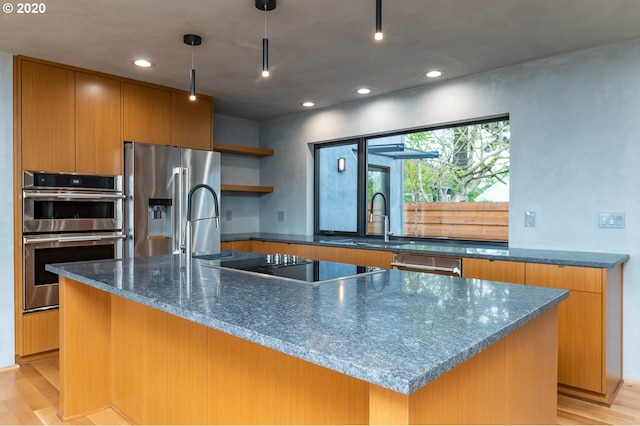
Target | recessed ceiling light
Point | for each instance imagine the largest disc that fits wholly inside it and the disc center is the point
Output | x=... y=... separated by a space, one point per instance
x=143 y=63
x=363 y=91
x=308 y=104
x=433 y=74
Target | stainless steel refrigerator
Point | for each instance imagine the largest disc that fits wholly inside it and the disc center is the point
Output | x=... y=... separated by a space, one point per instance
x=157 y=181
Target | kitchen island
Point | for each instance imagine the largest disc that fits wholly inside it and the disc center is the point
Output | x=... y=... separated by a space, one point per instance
x=165 y=343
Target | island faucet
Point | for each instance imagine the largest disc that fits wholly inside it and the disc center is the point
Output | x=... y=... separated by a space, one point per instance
x=384 y=216
x=187 y=237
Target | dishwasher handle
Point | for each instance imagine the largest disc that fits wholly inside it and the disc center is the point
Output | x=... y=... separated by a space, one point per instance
x=426 y=268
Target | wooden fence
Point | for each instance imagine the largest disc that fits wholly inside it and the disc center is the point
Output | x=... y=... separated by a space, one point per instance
x=475 y=221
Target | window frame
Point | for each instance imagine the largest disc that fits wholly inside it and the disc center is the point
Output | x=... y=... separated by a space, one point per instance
x=362 y=207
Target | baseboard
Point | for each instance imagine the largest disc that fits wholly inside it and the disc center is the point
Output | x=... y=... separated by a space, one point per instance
x=9 y=368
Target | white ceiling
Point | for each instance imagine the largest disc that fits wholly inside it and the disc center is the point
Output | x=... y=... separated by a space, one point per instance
x=320 y=50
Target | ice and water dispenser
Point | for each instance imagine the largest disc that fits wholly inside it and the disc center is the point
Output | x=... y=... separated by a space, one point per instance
x=159 y=223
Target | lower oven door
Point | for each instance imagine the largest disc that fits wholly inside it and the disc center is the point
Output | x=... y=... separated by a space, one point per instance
x=40 y=287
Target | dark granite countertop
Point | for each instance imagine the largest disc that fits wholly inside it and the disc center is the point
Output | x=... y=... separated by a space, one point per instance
x=448 y=248
x=399 y=330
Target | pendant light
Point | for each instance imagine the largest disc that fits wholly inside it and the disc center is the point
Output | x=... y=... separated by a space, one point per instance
x=265 y=5
x=192 y=40
x=378 y=35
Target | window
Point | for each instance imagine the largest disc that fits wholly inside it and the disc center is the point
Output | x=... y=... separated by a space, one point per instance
x=446 y=182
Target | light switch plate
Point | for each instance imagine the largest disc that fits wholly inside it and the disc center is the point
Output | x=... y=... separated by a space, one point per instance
x=611 y=220
x=530 y=219
x=281 y=216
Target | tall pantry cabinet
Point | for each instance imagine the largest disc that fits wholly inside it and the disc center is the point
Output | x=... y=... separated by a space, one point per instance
x=68 y=119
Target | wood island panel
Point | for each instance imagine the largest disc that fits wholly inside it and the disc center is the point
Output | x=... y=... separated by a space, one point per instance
x=85 y=349
x=149 y=365
x=160 y=355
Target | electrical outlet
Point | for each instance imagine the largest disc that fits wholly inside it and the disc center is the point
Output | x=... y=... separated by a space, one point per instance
x=227 y=215
x=281 y=216
x=530 y=219
x=611 y=220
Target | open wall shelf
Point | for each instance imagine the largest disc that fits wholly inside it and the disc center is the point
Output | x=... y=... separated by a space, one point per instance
x=242 y=150
x=247 y=188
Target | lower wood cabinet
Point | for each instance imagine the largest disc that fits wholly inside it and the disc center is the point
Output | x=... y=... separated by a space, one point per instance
x=377 y=258
x=590 y=328
x=494 y=270
x=41 y=331
x=244 y=245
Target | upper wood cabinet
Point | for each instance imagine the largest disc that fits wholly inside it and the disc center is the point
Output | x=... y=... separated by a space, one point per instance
x=191 y=122
x=147 y=114
x=98 y=124
x=47 y=117
x=494 y=270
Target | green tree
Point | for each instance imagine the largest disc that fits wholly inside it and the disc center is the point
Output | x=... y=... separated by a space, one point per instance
x=471 y=158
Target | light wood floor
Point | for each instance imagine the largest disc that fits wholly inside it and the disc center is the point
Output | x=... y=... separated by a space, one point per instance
x=30 y=395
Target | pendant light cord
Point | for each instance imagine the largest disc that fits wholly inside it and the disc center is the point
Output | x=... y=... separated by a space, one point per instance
x=265 y=20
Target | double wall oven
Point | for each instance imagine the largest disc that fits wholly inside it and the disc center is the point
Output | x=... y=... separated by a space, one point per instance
x=66 y=217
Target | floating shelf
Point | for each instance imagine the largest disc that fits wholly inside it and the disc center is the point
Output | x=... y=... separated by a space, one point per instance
x=247 y=188
x=242 y=150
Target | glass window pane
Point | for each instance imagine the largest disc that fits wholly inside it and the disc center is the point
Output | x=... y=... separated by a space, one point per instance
x=338 y=190
x=464 y=192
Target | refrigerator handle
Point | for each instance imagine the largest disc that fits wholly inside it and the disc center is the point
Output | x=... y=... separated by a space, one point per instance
x=178 y=213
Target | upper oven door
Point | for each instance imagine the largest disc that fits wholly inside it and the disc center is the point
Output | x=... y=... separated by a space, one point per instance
x=46 y=211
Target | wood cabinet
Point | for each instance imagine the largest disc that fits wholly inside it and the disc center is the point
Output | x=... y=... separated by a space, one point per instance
x=70 y=121
x=377 y=258
x=41 y=331
x=147 y=114
x=494 y=270
x=47 y=117
x=244 y=245
x=354 y=256
x=163 y=117
x=191 y=122
x=590 y=328
x=98 y=115
x=269 y=247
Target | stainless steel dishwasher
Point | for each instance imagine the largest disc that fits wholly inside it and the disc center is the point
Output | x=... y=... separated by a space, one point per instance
x=427 y=263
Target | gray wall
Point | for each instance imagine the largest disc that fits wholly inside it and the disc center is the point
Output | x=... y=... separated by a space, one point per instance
x=239 y=170
x=574 y=152
x=7 y=344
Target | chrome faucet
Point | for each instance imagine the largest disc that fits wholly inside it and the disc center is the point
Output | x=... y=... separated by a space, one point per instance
x=384 y=216
x=187 y=237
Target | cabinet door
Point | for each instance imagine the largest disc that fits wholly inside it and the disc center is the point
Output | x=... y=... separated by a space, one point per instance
x=267 y=247
x=48 y=118
x=494 y=270
x=147 y=114
x=580 y=323
x=41 y=331
x=98 y=125
x=353 y=256
x=580 y=344
x=191 y=122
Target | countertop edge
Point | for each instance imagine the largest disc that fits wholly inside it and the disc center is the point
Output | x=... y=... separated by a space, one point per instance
x=525 y=255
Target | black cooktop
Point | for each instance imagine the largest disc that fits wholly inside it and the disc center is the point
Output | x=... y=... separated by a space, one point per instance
x=307 y=270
